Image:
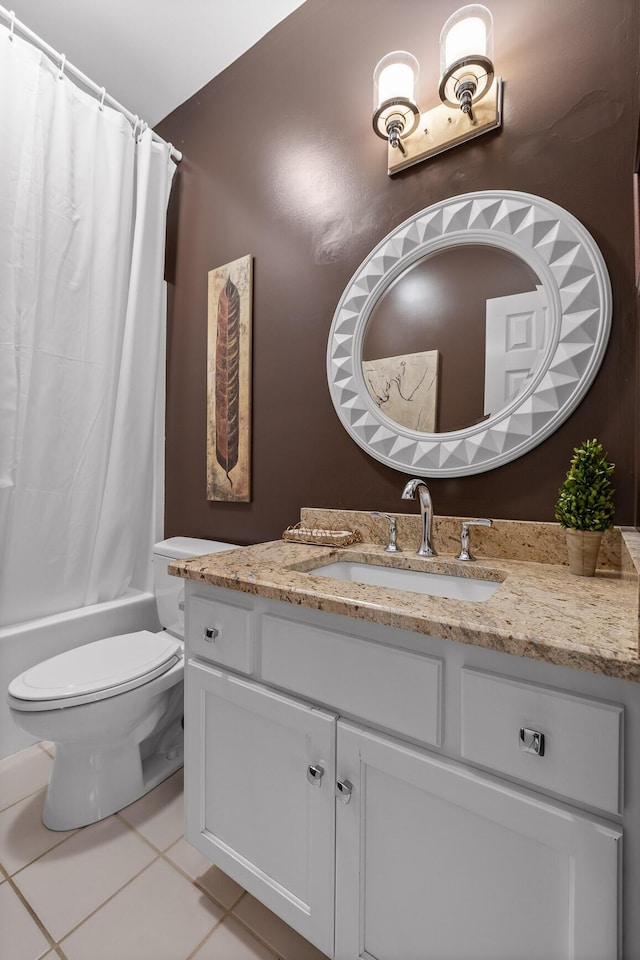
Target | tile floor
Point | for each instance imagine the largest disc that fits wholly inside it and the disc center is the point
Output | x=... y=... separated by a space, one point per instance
x=129 y=887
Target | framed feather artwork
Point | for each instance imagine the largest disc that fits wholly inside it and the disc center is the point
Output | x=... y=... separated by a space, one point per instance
x=229 y=382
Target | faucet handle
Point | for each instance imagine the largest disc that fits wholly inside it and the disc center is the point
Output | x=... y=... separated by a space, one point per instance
x=465 y=553
x=392 y=546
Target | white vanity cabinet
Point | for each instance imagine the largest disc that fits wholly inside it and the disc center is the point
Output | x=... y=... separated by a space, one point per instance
x=327 y=775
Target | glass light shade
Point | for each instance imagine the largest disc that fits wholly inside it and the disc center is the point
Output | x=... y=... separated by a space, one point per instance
x=467 y=33
x=466 y=52
x=394 y=78
x=394 y=83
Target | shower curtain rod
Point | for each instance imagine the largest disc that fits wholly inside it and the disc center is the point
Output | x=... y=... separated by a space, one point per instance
x=65 y=66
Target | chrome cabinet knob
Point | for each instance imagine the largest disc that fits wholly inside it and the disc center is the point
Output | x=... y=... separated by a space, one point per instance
x=532 y=741
x=211 y=634
x=343 y=790
x=315 y=773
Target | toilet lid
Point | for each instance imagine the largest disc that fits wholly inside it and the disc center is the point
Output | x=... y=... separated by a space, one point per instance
x=99 y=666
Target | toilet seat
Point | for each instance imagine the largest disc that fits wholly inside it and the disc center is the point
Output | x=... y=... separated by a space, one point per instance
x=95 y=671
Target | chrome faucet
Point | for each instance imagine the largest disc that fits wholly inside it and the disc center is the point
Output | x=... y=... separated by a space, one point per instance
x=392 y=545
x=465 y=552
x=420 y=488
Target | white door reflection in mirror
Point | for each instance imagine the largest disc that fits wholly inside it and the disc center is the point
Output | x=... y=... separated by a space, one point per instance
x=515 y=344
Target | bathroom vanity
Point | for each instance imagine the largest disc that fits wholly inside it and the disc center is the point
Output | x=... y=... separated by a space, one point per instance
x=400 y=775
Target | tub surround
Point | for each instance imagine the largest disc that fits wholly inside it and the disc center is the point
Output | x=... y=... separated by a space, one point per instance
x=540 y=611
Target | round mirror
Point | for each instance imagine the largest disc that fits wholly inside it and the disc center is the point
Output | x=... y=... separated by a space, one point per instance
x=469 y=333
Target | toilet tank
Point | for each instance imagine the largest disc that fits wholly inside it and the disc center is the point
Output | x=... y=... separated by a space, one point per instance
x=169 y=590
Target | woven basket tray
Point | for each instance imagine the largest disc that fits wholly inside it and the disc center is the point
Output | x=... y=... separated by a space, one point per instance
x=325 y=538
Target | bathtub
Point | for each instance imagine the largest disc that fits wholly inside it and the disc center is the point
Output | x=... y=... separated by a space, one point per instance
x=24 y=644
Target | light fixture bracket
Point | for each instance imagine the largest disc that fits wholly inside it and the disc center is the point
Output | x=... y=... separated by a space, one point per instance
x=444 y=127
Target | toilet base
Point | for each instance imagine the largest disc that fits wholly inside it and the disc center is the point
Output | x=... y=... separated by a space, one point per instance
x=128 y=750
x=109 y=751
x=112 y=779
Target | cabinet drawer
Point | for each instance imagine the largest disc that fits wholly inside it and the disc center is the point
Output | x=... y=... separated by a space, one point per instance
x=580 y=754
x=223 y=633
x=384 y=685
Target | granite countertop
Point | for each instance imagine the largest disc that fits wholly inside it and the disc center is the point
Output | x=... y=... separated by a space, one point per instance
x=540 y=610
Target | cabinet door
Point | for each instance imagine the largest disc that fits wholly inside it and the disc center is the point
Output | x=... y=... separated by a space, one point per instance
x=434 y=862
x=252 y=806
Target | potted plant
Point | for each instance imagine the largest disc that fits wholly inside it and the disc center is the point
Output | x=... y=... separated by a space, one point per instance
x=585 y=505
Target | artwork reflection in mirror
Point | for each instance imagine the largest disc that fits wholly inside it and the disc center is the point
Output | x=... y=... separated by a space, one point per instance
x=406 y=388
x=455 y=338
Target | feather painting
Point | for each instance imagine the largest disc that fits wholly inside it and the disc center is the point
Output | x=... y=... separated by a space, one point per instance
x=229 y=382
x=228 y=378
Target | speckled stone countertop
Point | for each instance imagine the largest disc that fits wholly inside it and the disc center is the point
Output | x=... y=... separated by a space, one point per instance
x=540 y=610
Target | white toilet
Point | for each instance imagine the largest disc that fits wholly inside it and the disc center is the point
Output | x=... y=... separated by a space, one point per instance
x=112 y=707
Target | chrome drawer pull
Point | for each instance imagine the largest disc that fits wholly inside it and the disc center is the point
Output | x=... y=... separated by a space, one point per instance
x=532 y=741
x=211 y=634
x=315 y=773
x=343 y=790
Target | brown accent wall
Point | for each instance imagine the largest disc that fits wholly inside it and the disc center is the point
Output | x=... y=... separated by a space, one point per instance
x=280 y=162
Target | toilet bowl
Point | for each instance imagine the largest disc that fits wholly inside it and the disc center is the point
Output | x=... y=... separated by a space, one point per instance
x=112 y=707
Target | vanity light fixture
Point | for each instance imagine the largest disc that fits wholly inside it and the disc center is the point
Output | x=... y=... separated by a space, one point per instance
x=470 y=92
x=395 y=111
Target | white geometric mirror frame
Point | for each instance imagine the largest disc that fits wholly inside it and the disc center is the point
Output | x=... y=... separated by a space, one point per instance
x=574 y=277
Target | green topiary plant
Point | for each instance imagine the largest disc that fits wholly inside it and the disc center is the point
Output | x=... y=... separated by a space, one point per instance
x=585 y=499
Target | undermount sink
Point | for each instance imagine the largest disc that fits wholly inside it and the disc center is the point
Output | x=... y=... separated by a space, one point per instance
x=416 y=581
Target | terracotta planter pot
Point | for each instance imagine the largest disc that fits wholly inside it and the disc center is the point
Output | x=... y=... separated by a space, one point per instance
x=583 y=547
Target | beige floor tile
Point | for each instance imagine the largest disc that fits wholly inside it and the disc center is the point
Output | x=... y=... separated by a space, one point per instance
x=221 y=887
x=23 y=836
x=159 y=816
x=49 y=747
x=231 y=941
x=71 y=881
x=20 y=939
x=278 y=935
x=158 y=916
x=23 y=774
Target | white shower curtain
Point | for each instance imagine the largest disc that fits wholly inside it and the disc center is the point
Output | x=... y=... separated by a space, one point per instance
x=82 y=234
